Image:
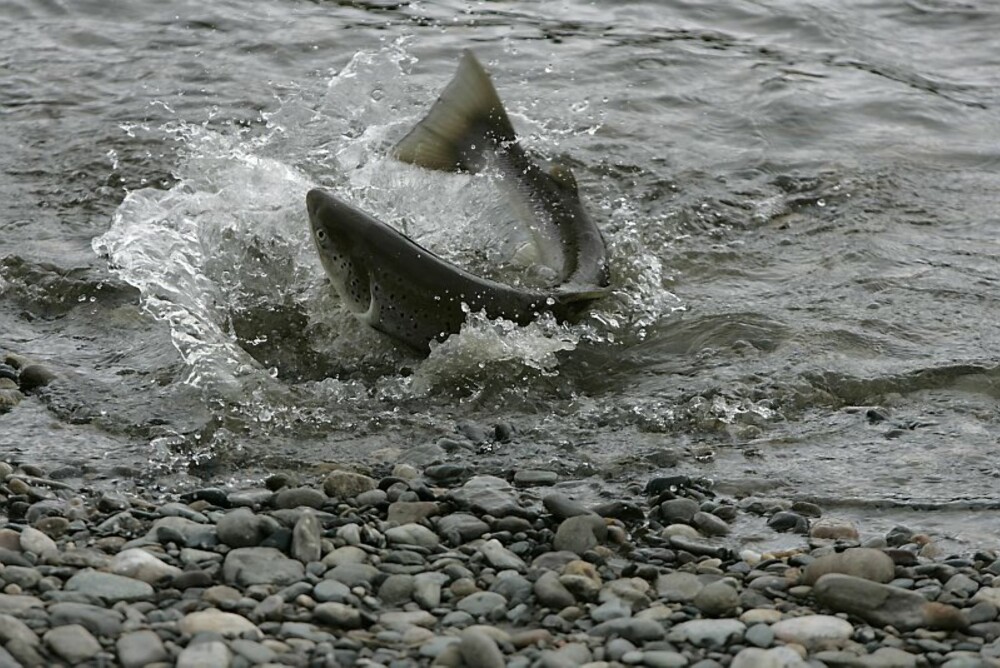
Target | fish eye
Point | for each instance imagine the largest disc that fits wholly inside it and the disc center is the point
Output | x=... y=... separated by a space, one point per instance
x=321 y=235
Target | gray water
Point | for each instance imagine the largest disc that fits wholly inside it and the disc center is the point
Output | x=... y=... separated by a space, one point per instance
x=800 y=199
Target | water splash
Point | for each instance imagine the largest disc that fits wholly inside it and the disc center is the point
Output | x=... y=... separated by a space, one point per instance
x=224 y=257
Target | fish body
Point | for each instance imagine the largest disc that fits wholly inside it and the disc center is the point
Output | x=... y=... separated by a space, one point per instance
x=400 y=288
x=404 y=290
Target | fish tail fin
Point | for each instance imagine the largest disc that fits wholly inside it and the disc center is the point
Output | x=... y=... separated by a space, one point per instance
x=466 y=120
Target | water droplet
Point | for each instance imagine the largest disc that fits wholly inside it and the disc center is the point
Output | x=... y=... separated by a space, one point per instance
x=821 y=202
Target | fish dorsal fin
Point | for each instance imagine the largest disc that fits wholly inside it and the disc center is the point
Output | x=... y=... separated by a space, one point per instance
x=465 y=121
x=563 y=176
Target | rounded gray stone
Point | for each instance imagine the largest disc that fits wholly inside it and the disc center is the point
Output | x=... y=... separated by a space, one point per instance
x=552 y=593
x=247 y=566
x=860 y=562
x=211 y=654
x=352 y=575
x=73 y=643
x=244 y=528
x=299 y=496
x=710 y=633
x=396 y=589
x=140 y=648
x=337 y=615
x=306 y=536
x=678 y=587
x=413 y=534
x=479 y=649
x=99 y=621
x=108 y=586
x=483 y=604
x=709 y=524
x=580 y=533
x=347 y=485
x=678 y=510
x=489 y=495
x=717 y=599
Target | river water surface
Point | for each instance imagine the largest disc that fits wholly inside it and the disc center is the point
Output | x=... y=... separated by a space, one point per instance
x=800 y=200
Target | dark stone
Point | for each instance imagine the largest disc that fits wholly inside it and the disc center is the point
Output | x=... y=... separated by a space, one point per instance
x=786 y=521
x=214 y=495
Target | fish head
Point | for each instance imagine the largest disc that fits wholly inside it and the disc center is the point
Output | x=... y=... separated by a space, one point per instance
x=338 y=231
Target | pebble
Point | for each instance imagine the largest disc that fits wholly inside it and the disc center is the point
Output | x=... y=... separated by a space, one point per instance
x=861 y=562
x=882 y=605
x=216 y=621
x=479 y=649
x=718 y=599
x=211 y=654
x=712 y=633
x=678 y=587
x=247 y=566
x=141 y=565
x=347 y=485
x=580 y=533
x=73 y=643
x=812 y=631
x=442 y=565
x=140 y=648
x=108 y=586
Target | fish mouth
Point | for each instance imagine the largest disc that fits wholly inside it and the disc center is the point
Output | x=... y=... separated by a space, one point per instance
x=315 y=200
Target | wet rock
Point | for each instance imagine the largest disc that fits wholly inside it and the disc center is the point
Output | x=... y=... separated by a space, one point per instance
x=140 y=648
x=812 y=631
x=860 y=562
x=296 y=497
x=347 y=485
x=216 y=621
x=483 y=604
x=412 y=534
x=563 y=507
x=787 y=521
x=248 y=566
x=306 y=538
x=678 y=510
x=411 y=512
x=479 y=649
x=488 y=495
x=882 y=605
x=501 y=558
x=552 y=593
x=718 y=599
x=73 y=643
x=99 y=621
x=678 y=587
x=338 y=615
x=580 y=533
x=778 y=657
x=243 y=528
x=108 y=586
x=711 y=633
x=211 y=654
x=535 y=478
x=461 y=528
x=709 y=524
x=141 y=565
x=834 y=529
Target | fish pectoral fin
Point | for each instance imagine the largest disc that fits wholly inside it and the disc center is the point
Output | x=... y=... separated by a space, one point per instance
x=466 y=120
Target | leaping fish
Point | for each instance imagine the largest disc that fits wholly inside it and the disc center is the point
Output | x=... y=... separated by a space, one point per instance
x=402 y=289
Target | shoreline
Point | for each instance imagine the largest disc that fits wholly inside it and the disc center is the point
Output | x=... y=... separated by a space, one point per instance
x=442 y=565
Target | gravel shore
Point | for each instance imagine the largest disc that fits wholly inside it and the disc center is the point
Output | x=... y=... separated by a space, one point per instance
x=444 y=566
